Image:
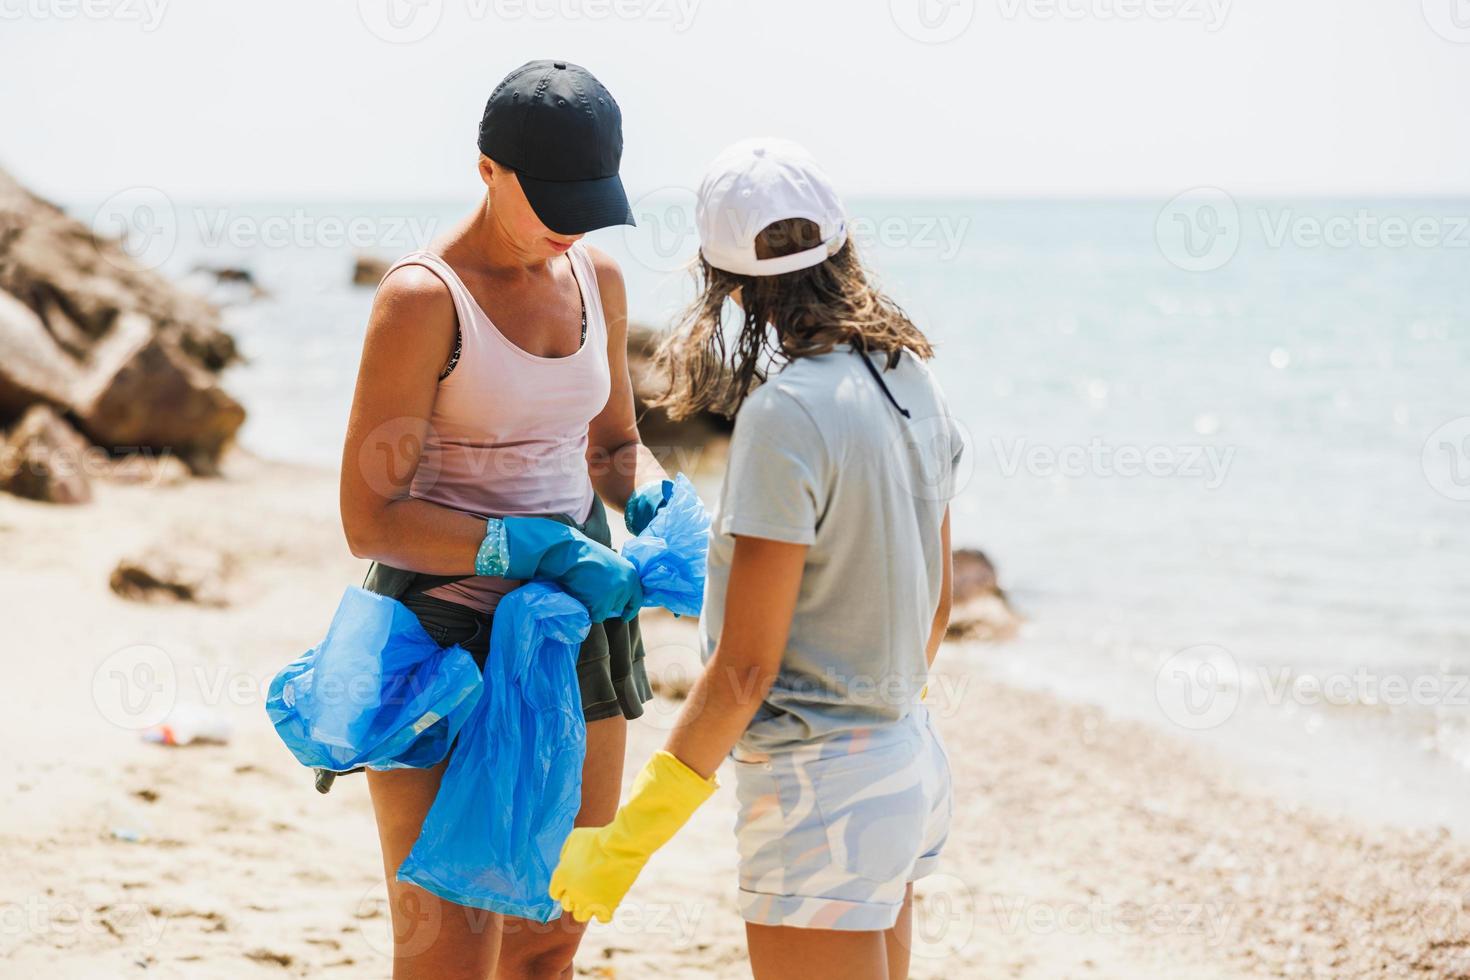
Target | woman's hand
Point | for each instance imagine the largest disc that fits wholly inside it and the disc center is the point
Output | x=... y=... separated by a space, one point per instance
x=596 y=576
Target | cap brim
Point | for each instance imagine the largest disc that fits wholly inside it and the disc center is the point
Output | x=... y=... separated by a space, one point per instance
x=573 y=207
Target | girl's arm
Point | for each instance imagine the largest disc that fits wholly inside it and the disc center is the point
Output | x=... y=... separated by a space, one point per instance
x=616 y=458
x=946 y=594
x=599 y=864
x=760 y=599
x=409 y=339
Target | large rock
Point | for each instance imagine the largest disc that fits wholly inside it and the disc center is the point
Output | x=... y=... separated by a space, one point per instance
x=981 y=610
x=144 y=392
x=45 y=459
x=657 y=431
x=110 y=344
x=33 y=369
x=79 y=282
x=369 y=270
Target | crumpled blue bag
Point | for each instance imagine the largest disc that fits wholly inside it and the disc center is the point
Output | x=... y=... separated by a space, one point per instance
x=671 y=552
x=514 y=783
x=377 y=691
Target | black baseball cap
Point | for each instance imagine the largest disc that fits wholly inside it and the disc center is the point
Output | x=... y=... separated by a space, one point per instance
x=554 y=124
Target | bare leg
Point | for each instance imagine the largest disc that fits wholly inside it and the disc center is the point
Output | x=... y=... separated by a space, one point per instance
x=432 y=939
x=786 y=953
x=899 y=940
x=544 y=951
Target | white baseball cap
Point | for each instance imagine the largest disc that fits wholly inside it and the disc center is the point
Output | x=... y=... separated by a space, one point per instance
x=753 y=184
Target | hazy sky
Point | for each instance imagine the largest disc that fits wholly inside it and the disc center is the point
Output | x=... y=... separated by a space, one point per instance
x=313 y=99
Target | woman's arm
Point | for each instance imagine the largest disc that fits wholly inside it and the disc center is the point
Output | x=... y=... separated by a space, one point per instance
x=760 y=599
x=617 y=460
x=946 y=595
x=409 y=338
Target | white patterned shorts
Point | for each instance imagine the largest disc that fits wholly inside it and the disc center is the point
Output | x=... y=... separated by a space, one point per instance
x=831 y=833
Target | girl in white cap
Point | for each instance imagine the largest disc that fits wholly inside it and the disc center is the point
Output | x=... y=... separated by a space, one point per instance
x=828 y=588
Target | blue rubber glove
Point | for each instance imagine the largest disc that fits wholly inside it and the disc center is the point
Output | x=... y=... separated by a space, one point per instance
x=646 y=501
x=539 y=548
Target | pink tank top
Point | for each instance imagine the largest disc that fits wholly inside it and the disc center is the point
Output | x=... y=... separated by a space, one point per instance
x=508 y=433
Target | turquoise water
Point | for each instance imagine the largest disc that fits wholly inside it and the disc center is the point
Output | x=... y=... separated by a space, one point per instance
x=1179 y=446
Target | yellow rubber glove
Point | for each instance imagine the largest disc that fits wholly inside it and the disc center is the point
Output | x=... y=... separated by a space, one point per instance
x=598 y=864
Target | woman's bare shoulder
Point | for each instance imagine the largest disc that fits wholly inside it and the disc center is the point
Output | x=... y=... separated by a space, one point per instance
x=413 y=292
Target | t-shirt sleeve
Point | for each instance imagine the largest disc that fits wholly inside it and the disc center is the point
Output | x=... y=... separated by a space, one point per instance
x=777 y=481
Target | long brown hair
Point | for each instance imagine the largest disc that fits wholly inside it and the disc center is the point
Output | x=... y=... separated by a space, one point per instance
x=796 y=314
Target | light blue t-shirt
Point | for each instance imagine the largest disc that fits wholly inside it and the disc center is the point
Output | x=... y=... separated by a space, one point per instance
x=821 y=457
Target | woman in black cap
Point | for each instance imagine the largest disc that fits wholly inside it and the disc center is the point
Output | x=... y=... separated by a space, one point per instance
x=494 y=382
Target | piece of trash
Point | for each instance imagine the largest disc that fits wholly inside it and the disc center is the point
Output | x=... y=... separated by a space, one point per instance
x=187 y=724
x=125 y=834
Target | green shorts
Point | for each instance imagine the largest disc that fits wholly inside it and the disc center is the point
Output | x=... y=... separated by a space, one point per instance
x=610 y=670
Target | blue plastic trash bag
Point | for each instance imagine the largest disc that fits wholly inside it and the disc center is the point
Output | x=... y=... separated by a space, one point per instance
x=514 y=783
x=671 y=552
x=378 y=691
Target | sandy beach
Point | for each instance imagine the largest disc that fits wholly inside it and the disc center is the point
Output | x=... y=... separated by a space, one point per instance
x=1083 y=846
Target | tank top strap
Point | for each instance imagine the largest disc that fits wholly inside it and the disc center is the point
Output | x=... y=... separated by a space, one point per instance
x=465 y=306
x=587 y=277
